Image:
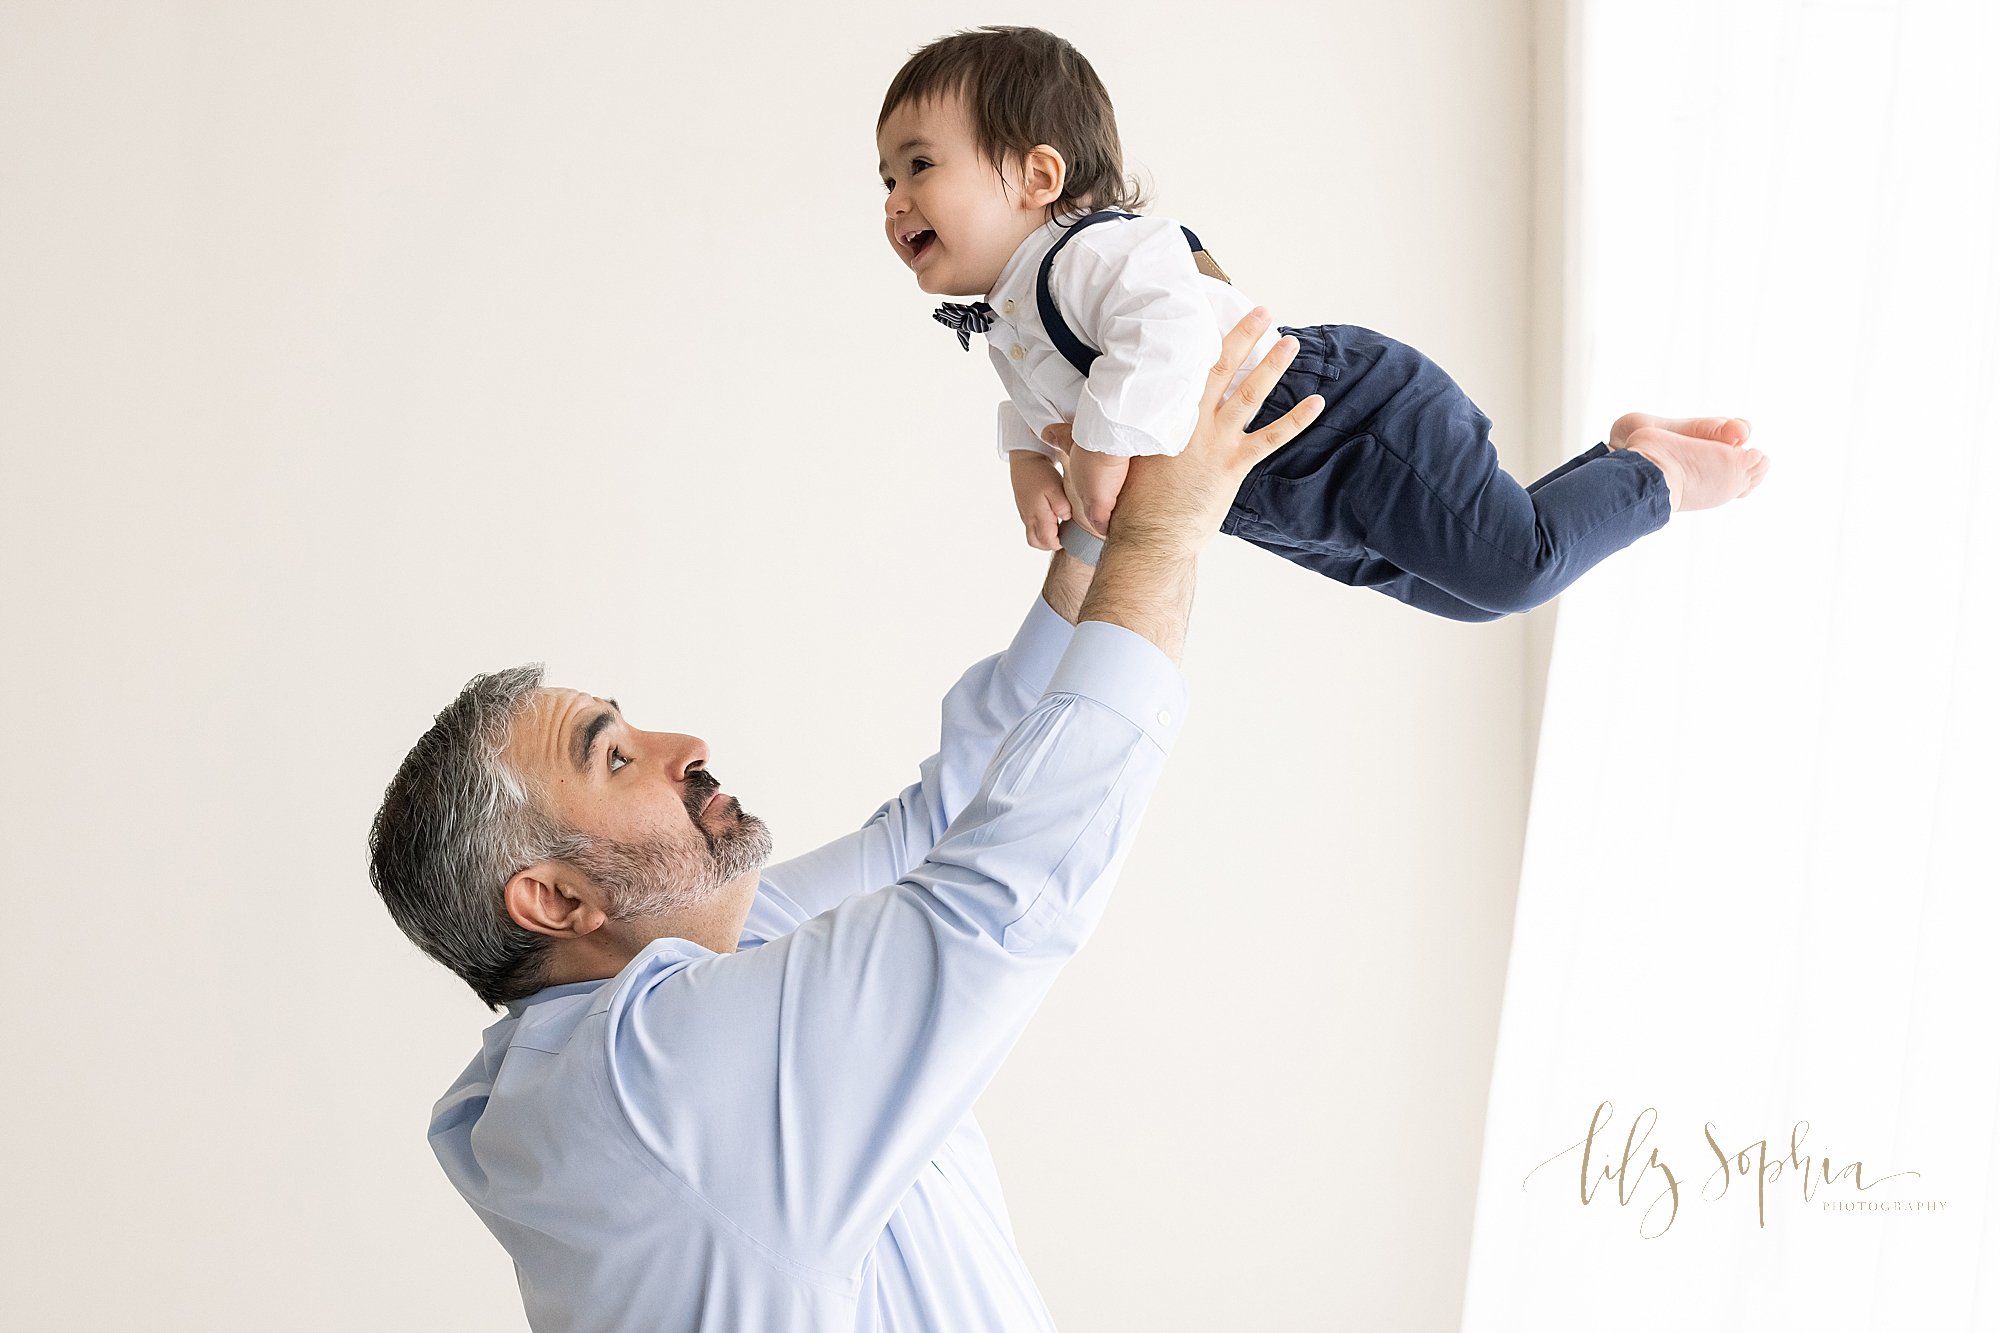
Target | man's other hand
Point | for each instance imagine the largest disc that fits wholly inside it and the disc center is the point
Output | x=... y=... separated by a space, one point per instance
x=1189 y=495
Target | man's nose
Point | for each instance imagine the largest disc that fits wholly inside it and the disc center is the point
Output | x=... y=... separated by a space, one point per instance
x=679 y=755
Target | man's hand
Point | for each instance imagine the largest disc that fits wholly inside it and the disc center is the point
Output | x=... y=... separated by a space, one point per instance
x=1170 y=507
x=1189 y=495
x=1039 y=495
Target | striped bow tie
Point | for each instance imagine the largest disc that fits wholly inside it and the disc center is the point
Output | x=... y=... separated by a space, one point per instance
x=964 y=320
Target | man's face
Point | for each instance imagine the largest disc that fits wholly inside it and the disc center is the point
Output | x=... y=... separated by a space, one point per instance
x=963 y=221
x=665 y=834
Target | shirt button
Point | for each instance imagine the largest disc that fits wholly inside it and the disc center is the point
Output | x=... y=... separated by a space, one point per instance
x=1017 y=351
x=1166 y=718
x=1008 y=305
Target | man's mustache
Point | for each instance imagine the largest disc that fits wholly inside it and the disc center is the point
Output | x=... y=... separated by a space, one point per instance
x=700 y=786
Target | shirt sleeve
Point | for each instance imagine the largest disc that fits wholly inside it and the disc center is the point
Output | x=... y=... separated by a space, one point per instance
x=1131 y=290
x=1017 y=435
x=800 y=1087
x=977 y=712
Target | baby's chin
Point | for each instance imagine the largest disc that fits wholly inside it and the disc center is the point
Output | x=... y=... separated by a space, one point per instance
x=949 y=288
x=951 y=285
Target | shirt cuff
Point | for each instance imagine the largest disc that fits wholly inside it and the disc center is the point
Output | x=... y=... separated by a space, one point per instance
x=1037 y=647
x=1127 y=673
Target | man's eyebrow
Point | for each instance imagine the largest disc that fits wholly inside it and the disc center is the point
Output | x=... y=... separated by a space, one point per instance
x=901 y=149
x=584 y=738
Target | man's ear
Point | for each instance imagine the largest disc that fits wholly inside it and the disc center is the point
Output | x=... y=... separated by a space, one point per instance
x=1043 y=172
x=552 y=899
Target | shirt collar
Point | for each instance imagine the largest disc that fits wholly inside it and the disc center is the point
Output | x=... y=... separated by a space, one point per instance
x=1017 y=279
x=665 y=944
x=526 y=1002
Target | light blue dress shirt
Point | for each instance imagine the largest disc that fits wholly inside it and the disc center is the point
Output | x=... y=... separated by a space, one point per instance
x=781 y=1138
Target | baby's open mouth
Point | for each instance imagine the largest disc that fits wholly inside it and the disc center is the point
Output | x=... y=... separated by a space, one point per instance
x=918 y=242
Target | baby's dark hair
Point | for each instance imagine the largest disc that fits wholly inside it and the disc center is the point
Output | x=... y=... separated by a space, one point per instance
x=1023 y=87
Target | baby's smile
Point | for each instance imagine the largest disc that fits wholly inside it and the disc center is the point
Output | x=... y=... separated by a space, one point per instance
x=915 y=241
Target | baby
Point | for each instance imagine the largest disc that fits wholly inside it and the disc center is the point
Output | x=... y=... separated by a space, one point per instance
x=1006 y=181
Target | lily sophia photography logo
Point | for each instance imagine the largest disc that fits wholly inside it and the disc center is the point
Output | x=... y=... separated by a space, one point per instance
x=1610 y=1173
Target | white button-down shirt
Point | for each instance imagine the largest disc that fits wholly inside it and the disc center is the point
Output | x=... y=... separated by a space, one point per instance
x=1129 y=288
x=782 y=1137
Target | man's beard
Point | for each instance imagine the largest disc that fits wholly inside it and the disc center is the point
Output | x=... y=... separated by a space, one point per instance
x=653 y=876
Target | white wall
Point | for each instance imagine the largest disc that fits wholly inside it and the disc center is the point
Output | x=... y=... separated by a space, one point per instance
x=349 y=350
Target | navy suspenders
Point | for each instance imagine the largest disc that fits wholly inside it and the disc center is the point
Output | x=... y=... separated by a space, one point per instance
x=1075 y=351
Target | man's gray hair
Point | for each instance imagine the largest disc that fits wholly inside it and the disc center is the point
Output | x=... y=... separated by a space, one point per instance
x=455 y=824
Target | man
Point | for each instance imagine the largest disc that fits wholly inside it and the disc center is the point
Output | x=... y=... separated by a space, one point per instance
x=726 y=1100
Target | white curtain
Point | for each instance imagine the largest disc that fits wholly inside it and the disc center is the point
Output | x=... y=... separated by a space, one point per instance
x=1759 y=887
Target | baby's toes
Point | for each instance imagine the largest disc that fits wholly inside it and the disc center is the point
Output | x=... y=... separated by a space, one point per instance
x=1621 y=429
x=1760 y=463
x=1726 y=430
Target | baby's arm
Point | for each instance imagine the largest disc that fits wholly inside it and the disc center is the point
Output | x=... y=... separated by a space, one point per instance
x=1038 y=494
x=1093 y=482
x=1090 y=481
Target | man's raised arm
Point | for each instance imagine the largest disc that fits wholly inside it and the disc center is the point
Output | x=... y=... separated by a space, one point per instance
x=1144 y=582
x=892 y=1012
x=992 y=695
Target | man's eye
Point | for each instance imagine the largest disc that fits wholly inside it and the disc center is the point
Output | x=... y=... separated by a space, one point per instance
x=618 y=760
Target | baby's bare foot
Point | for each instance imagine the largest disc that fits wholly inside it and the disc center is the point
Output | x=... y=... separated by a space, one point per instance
x=1700 y=473
x=1728 y=430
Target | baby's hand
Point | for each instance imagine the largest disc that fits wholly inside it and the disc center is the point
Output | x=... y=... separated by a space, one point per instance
x=1038 y=494
x=1057 y=435
x=1093 y=482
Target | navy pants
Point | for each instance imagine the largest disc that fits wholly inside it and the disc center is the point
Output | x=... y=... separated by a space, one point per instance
x=1396 y=486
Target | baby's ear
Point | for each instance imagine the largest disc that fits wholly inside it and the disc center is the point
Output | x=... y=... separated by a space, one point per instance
x=1043 y=172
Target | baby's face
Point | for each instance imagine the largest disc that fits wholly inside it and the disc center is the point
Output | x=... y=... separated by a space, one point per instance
x=962 y=222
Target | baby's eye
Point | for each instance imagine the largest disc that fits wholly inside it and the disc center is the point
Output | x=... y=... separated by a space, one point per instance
x=917 y=164
x=618 y=760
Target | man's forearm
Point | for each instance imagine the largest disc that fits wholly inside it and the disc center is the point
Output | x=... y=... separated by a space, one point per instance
x=1145 y=582
x=1066 y=585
